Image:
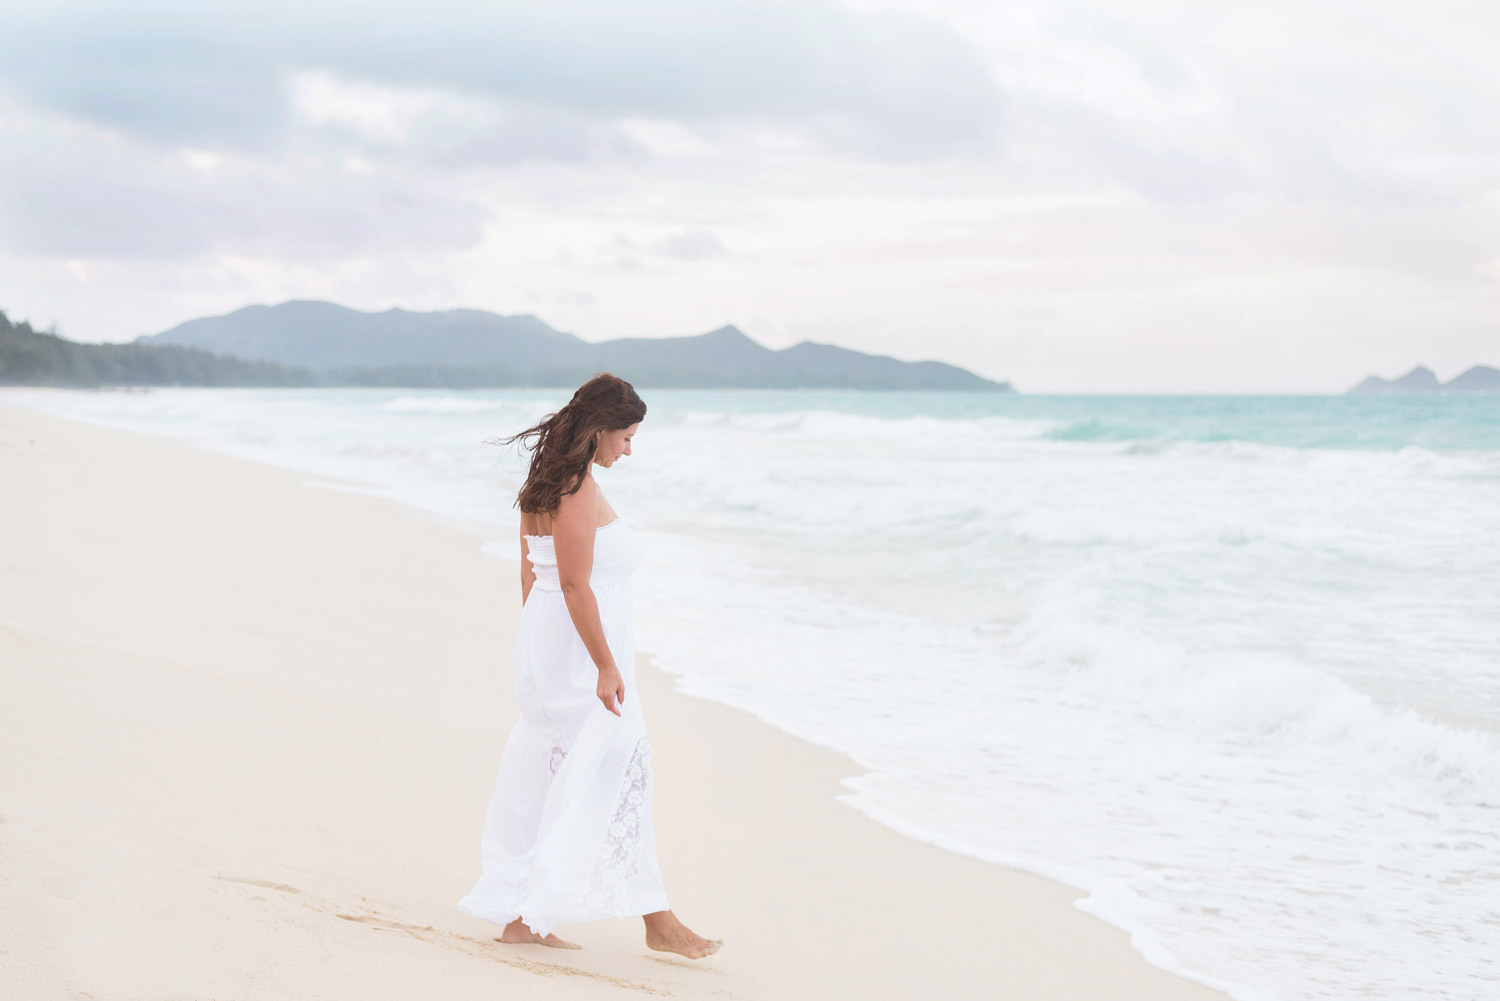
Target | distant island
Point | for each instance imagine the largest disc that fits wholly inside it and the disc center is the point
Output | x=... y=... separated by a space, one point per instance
x=1479 y=379
x=322 y=344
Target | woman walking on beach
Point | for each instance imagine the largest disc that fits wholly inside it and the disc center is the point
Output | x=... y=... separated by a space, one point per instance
x=568 y=836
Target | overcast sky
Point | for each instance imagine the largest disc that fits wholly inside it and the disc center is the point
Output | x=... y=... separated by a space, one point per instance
x=1131 y=195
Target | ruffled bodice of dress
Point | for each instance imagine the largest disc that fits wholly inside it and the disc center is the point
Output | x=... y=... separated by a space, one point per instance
x=617 y=555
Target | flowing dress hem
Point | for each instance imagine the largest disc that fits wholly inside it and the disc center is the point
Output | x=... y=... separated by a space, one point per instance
x=498 y=912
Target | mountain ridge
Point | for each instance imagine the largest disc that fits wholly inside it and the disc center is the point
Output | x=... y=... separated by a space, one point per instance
x=348 y=346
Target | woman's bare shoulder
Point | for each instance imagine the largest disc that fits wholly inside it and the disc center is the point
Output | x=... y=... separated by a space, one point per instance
x=582 y=504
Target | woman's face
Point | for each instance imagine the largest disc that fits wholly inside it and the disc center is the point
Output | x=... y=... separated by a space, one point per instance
x=613 y=444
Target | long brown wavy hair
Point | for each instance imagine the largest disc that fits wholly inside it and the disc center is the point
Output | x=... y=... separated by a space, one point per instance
x=563 y=444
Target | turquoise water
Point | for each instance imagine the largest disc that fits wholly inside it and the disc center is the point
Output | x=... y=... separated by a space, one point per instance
x=1336 y=422
x=1229 y=664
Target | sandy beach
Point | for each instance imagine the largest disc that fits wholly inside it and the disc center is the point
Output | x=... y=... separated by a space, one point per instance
x=249 y=727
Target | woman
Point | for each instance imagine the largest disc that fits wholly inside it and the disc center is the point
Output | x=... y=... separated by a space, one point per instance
x=568 y=836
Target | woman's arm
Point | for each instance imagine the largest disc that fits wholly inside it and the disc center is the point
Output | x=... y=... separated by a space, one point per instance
x=528 y=573
x=573 y=532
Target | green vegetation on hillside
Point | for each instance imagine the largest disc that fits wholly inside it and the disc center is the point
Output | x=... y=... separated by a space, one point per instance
x=41 y=358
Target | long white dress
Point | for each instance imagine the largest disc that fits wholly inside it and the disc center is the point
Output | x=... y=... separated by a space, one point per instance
x=568 y=836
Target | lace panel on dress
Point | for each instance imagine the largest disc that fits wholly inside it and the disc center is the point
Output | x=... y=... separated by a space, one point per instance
x=559 y=752
x=619 y=861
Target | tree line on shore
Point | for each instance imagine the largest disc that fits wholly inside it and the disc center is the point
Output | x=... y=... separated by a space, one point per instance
x=31 y=357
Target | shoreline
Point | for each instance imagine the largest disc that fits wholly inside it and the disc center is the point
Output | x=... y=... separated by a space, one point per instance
x=304 y=693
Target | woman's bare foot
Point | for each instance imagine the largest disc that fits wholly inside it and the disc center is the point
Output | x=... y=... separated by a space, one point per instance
x=516 y=933
x=665 y=933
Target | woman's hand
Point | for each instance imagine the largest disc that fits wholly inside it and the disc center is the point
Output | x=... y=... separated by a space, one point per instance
x=611 y=685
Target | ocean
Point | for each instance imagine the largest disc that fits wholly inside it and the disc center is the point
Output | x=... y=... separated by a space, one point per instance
x=1231 y=665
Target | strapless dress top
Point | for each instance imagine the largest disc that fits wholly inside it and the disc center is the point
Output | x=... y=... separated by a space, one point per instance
x=617 y=554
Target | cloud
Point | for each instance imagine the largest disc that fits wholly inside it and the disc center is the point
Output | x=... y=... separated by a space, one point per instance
x=875 y=82
x=341 y=128
x=690 y=245
x=446 y=130
x=84 y=193
x=1293 y=104
x=333 y=126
